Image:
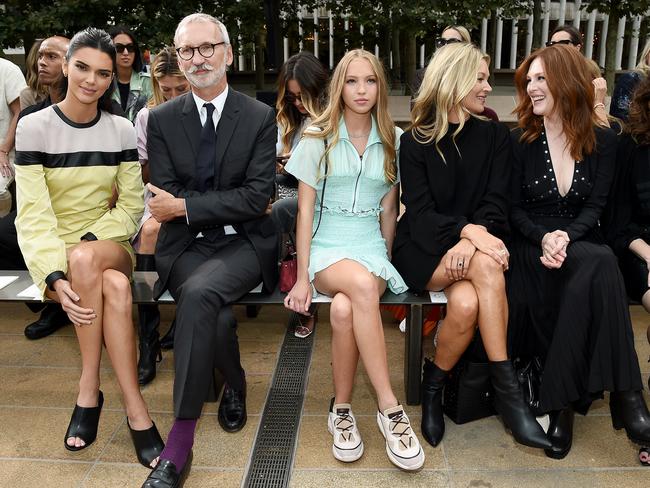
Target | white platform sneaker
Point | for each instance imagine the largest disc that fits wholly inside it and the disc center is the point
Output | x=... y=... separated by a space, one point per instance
x=348 y=446
x=402 y=446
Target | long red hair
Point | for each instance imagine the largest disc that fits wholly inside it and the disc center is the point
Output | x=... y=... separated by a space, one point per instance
x=569 y=81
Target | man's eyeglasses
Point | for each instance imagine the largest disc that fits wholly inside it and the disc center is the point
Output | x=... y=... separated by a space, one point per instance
x=206 y=50
x=119 y=48
x=291 y=98
x=443 y=42
x=563 y=41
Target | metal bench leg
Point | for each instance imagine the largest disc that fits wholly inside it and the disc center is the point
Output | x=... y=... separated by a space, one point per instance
x=413 y=354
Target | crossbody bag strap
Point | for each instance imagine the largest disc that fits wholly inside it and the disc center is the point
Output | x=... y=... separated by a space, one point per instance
x=322 y=195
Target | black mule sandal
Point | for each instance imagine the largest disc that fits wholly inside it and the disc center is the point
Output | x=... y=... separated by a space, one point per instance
x=147 y=443
x=83 y=424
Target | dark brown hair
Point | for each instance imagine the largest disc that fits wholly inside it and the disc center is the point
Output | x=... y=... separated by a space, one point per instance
x=569 y=80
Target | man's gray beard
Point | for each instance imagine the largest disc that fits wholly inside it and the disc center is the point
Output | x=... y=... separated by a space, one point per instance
x=206 y=81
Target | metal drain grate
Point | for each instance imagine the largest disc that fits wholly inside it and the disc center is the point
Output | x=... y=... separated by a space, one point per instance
x=270 y=465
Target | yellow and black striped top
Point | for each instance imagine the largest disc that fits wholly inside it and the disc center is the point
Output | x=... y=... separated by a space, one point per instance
x=65 y=174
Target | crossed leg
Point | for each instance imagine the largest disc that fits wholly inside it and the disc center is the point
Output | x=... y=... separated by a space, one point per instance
x=481 y=297
x=98 y=272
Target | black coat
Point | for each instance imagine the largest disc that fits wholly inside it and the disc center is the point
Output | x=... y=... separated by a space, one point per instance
x=441 y=197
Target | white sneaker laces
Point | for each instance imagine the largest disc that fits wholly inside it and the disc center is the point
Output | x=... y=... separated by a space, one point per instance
x=400 y=428
x=344 y=425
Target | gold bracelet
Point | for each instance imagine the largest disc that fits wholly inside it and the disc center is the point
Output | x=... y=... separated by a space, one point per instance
x=599 y=104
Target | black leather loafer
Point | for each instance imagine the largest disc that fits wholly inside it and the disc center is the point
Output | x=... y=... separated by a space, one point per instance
x=165 y=475
x=232 y=409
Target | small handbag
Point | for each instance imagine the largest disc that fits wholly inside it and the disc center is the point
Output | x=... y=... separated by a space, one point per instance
x=289 y=267
x=469 y=394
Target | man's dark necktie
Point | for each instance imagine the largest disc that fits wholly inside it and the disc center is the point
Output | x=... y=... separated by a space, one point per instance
x=206 y=158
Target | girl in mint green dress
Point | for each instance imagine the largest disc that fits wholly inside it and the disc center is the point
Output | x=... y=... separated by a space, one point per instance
x=347 y=212
x=351 y=208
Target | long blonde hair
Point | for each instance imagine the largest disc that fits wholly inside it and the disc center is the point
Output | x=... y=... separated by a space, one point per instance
x=448 y=79
x=327 y=124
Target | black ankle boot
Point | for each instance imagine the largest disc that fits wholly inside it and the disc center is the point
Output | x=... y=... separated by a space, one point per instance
x=509 y=402
x=560 y=433
x=433 y=421
x=629 y=410
x=148 y=322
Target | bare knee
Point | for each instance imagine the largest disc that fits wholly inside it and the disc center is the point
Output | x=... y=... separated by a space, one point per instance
x=365 y=289
x=485 y=268
x=149 y=233
x=341 y=313
x=463 y=307
x=116 y=288
x=83 y=263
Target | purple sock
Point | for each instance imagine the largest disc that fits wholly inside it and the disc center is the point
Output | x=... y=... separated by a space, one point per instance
x=179 y=442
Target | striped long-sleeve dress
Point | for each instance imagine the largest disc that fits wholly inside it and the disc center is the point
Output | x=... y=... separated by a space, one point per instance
x=65 y=174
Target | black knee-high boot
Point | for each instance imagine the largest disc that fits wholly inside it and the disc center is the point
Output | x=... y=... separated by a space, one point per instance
x=433 y=421
x=148 y=322
x=509 y=402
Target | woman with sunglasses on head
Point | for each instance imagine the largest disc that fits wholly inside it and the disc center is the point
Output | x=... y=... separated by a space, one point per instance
x=77 y=250
x=566 y=34
x=302 y=84
x=347 y=171
x=453 y=34
x=565 y=292
x=168 y=83
x=455 y=174
x=133 y=86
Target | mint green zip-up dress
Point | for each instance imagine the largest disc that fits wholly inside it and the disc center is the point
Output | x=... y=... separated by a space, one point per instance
x=349 y=227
